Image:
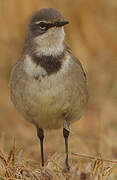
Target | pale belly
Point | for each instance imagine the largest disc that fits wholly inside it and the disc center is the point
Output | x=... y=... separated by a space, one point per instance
x=49 y=103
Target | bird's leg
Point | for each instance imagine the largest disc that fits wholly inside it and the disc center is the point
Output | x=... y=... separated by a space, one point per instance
x=66 y=134
x=40 y=134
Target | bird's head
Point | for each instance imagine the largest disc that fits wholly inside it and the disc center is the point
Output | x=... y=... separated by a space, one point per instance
x=46 y=28
x=46 y=20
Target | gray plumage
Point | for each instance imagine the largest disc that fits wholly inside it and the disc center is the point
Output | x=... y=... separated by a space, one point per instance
x=48 y=85
x=49 y=14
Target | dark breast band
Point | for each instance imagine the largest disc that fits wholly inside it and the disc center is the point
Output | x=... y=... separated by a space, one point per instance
x=51 y=64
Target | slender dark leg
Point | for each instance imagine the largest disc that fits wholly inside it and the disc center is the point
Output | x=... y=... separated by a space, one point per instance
x=66 y=134
x=40 y=134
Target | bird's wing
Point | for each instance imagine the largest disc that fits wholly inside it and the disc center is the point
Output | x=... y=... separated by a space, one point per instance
x=76 y=60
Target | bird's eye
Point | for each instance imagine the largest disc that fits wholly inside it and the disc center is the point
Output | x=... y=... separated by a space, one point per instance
x=42 y=25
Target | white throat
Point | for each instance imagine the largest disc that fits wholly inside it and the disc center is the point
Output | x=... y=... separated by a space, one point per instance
x=51 y=42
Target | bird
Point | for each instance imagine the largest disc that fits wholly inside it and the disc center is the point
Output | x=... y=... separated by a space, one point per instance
x=48 y=85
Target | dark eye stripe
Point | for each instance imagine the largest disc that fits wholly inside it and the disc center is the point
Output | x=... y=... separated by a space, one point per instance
x=44 y=25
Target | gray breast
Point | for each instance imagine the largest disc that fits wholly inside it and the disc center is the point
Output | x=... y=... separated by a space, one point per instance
x=58 y=97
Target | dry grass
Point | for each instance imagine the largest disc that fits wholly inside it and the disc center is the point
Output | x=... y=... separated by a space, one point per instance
x=92 y=35
x=86 y=168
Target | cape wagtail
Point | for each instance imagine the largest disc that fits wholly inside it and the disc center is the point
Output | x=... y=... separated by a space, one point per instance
x=48 y=85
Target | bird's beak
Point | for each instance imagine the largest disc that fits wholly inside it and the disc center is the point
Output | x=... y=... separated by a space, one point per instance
x=57 y=24
x=61 y=23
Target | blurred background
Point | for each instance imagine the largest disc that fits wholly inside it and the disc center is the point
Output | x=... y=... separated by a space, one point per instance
x=92 y=36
